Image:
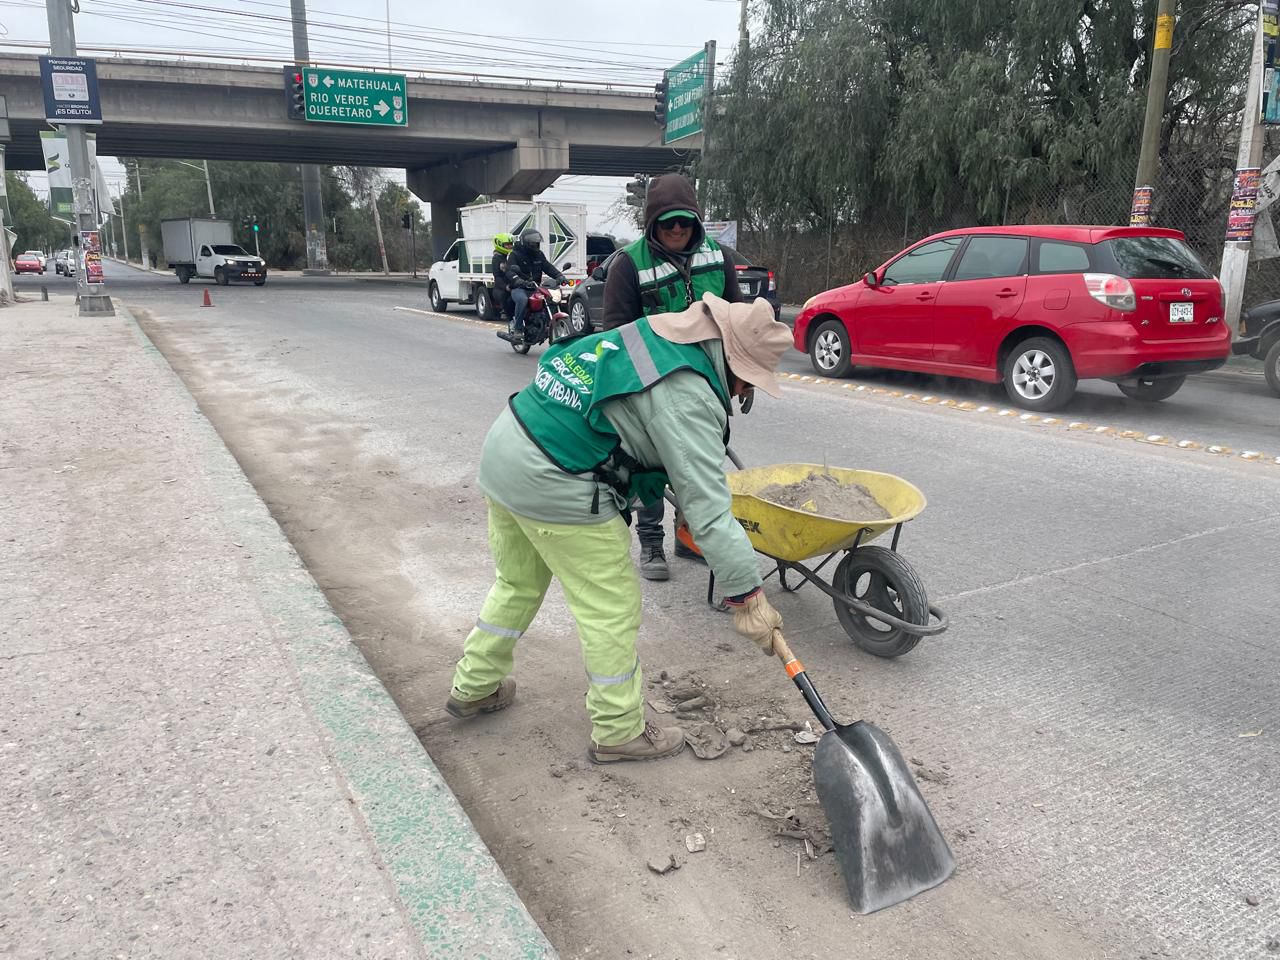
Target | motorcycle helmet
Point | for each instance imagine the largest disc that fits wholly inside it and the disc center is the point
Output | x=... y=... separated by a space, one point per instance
x=531 y=240
x=503 y=243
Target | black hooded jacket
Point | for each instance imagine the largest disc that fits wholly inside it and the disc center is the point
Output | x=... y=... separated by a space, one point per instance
x=622 y=287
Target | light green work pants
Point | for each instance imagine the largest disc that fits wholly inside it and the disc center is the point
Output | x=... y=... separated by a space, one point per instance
x=593 y=564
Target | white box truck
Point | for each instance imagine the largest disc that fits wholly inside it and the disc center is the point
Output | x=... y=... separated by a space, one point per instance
x=205 y=248
x=463 y=275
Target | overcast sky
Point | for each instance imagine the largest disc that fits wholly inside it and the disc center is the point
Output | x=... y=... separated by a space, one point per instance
x=598 y=41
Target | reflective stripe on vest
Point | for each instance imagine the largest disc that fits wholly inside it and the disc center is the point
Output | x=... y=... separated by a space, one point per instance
x=641 y=358
x=499 y=631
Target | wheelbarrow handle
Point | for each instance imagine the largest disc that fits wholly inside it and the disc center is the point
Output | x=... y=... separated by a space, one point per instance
x=795 y=670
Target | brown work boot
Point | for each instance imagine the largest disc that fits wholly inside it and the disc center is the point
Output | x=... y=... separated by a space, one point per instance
x=654 y=743
x=500 y=699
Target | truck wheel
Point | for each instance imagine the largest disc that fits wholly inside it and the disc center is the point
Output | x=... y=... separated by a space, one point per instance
x=184 y=275
x=220 y=277
x=438 y=303
x=484 y=302
x=1272 y=368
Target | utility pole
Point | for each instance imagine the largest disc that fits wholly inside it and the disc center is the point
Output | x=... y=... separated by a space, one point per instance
x=62 y=43
x=144 y=252
x=6 y=261
x=124 y=224
x=208 y=185
x=1235 y=253
x=377 y=220
x=388 y=34
x=312 y=196
x=1157 y=89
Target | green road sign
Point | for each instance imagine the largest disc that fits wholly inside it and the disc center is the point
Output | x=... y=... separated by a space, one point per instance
x=355 y=96
x=686 y=90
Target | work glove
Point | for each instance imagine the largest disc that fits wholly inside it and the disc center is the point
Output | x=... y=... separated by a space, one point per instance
x=755 y=618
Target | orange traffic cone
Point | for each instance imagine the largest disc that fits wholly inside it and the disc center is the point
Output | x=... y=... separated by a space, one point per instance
x=207 y=301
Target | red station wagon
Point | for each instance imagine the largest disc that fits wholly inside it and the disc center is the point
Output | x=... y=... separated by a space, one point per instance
x=1037 y=307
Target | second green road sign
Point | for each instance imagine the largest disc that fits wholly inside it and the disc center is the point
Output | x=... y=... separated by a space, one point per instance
x=356 y=96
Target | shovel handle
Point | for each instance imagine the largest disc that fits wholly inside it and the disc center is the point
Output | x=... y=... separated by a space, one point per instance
x=795 y=670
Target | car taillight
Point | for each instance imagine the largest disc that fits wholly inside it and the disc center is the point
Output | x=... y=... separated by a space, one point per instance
x=741 y=266
x=773 y=282
x=1116 y=292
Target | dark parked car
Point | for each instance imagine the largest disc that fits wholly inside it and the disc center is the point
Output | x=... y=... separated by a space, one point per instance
x=586 y=306
x=1260 y=338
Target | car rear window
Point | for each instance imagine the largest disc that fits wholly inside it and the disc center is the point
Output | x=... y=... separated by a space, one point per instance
x=1156 y=258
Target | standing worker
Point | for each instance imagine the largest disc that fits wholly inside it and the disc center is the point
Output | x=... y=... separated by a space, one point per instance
x=610 y=418
x=670 y=267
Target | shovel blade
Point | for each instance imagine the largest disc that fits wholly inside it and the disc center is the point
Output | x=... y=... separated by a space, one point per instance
x=886 y=841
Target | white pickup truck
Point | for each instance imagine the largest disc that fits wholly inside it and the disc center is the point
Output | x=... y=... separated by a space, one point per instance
x=463 y=275
x=205 y=248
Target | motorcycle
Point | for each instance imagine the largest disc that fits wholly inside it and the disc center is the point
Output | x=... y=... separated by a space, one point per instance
x=544 y=321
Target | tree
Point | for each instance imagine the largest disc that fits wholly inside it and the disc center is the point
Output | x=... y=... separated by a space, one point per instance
x=28 y=217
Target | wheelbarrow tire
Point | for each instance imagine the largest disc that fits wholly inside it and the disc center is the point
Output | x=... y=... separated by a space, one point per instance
x=883 y=579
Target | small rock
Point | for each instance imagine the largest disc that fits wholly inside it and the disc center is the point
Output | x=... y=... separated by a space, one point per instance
x=1253 y=899
x=695 y=843
x=747 y=746
x=684 y=690
x=805 y=737
x=786 y=748
x=664 y=675
x=735 y=737
x=693 y=703
x=663 y=865
x=1273 y=944
x=917 y=761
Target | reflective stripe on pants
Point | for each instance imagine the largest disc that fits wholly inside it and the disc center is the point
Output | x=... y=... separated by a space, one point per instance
x=600 y=584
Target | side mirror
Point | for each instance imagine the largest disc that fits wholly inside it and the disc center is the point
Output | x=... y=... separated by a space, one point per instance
x=598 y=274
x=871 y=280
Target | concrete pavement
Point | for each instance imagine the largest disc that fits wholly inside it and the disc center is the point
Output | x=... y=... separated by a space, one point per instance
x=198 y=761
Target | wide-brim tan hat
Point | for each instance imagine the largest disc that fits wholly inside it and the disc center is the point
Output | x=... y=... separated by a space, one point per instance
x=754 y=342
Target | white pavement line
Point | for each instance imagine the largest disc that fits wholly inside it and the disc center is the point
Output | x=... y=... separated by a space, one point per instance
x=1151 y=548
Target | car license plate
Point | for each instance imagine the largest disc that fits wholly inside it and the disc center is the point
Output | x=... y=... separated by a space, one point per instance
x=1182 y=313
x=745 y=288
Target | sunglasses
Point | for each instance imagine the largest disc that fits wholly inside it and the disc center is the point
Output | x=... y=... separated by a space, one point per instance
x=677 y=223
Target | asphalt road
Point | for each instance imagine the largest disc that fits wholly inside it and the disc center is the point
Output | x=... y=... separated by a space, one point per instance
x=1099 y=724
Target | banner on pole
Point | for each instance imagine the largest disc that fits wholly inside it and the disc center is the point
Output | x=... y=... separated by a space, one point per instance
x=1244 y=205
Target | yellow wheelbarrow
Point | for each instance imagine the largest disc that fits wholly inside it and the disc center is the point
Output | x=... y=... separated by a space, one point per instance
x=879 y=598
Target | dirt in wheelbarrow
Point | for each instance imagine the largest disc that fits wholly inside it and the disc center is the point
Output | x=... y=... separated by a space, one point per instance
x=823 y=494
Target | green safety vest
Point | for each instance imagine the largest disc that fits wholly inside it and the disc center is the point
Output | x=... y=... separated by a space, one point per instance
x=561 y=410
x=664 y=288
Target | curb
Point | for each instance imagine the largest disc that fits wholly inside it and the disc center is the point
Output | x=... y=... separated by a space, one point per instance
x=456 y=898
x=1033 y=419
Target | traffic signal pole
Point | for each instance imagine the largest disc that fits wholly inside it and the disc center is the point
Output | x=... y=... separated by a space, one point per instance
x=312 y=195
x=62 y=43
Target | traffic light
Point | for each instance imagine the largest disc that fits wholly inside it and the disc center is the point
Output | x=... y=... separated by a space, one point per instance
x=295 y=98
x=636 y=190
x=660 y=101
x=406 y=220
x=255 y=224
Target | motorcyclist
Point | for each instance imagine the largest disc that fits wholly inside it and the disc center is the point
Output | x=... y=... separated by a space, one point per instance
x=525 y=268
x=502 y=244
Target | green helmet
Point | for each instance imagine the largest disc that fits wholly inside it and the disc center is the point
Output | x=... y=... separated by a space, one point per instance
x=503 y=243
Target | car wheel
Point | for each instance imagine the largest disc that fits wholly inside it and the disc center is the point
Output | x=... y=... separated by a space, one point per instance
x=220 y=277
x=1152 y=391
x=438 y=303
x=484 y=302
x=1272 y=367
x=1039 y=374
x=579 y=321
x=830 y=350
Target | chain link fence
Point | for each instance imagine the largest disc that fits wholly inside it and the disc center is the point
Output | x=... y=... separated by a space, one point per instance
x=1192 y=195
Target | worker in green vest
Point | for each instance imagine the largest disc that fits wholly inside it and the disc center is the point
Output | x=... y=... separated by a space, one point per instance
x=611 y=419
x=671 y=266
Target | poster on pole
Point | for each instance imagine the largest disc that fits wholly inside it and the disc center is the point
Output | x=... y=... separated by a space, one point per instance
x=1244 y=205
x=70 y=86
x=722 y=231
x=1140 y=212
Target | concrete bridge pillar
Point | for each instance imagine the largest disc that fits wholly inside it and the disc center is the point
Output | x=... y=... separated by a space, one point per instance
x=516 y=173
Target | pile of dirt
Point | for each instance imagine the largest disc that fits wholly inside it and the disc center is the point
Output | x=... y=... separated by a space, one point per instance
x=824 y=494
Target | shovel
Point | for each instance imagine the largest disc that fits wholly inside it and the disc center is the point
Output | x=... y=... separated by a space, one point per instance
x=887 y=844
